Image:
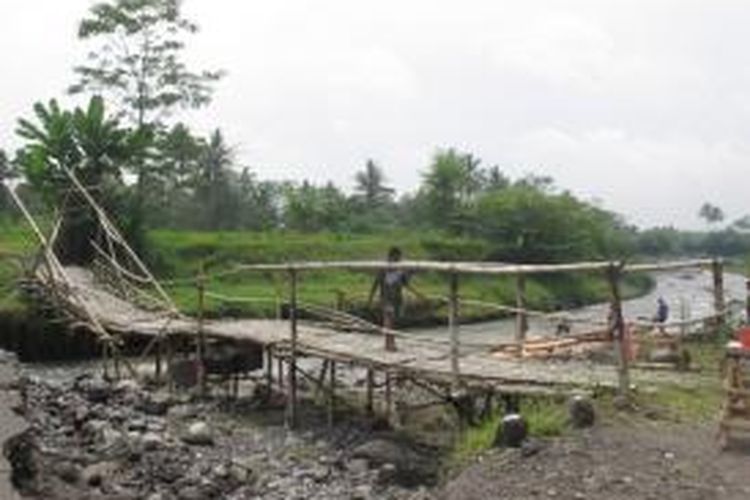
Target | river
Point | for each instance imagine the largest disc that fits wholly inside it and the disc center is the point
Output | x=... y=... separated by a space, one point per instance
x=689 y=294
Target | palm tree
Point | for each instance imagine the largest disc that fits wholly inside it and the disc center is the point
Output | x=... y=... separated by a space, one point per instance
x=212 y=186
x=370 y=186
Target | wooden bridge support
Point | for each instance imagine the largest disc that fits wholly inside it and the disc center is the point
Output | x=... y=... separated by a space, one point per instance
x=291 y=410
x=269 y=369
x=522 y=321
x=617 y=326
x=331 y=393
x=201 y=345
x=369 y=407
x=453 y=321
x=717 y=270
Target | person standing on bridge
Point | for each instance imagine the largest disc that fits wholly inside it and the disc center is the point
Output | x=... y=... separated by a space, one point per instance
x=390 y=283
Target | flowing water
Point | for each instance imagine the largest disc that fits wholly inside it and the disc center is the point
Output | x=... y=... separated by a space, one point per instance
x=689 y=295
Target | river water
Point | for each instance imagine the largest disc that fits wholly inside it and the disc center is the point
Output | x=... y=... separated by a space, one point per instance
x=689 y=295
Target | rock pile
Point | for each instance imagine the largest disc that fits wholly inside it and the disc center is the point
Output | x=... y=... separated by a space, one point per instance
x=92 y=439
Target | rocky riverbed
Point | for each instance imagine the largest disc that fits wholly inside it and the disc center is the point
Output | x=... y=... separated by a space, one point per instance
x=89 y=438
x=10 y=422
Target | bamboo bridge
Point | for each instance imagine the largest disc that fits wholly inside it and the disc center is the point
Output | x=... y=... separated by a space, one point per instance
x=120 y=298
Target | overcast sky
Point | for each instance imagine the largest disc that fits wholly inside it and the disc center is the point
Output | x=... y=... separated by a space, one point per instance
x=643 y=106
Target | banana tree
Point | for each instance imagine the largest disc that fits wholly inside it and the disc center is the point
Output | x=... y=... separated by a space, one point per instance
x=95 y=148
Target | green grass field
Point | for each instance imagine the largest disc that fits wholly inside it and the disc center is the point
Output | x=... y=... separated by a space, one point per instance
x=178 y=256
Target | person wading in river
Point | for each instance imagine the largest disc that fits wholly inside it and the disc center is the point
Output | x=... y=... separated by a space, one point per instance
x=390 y=283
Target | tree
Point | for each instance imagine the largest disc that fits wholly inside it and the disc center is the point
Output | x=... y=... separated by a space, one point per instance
x=6 y=172
x=93 y=146
x=370 y=187
x=711 y=213
x=311 y=208
x=525 y=224
x=449 y=188
x=138 y=60
x=213 y=189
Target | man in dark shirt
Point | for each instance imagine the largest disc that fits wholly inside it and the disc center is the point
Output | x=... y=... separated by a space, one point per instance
x=390 y=283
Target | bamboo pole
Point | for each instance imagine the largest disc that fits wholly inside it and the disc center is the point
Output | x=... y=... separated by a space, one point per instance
x=201 y=345
x=388 y=396
x=717 y=269
x=110 y=227
x=269 y=369
x=370 y=386
x=522 y=324
x=453 y=322
x=490 y=268
x=331 y=393
x=617 y=326
x=292 y=399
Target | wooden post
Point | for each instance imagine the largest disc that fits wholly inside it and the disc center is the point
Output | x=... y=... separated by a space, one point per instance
x=717 y=269
x=157 y=359
x=747 y=302
x=332 y=392
x=269 y=369
x=170 y=363
x=453 y=320
x=370 y=385
x=105 y=359
x=291 y=414
x=388 y=398
x=201 y=345
x=522 y=322
x=617 y=327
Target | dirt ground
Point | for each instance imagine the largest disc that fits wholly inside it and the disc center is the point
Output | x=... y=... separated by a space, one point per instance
x=621 y=460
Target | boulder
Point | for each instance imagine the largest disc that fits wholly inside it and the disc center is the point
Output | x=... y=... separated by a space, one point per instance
x=198 y=434
x=581 y=412
x=512 y=431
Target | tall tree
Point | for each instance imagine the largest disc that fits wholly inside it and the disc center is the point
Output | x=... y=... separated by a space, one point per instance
x=371 y=188
x=711 y=213
x=449 y=188
x=138 y=60
x=213 y=187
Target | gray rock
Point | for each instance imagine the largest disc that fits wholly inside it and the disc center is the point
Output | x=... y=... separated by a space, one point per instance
x=96 y=389
x=581 y=412
x=362 y=492
x=94 y=429
x=127 y=385
x=199 y=434
x=96 y=474
x=152 y=441
x=358 y=465
x=511 y=431
x=68 y=472
x=155 y=404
